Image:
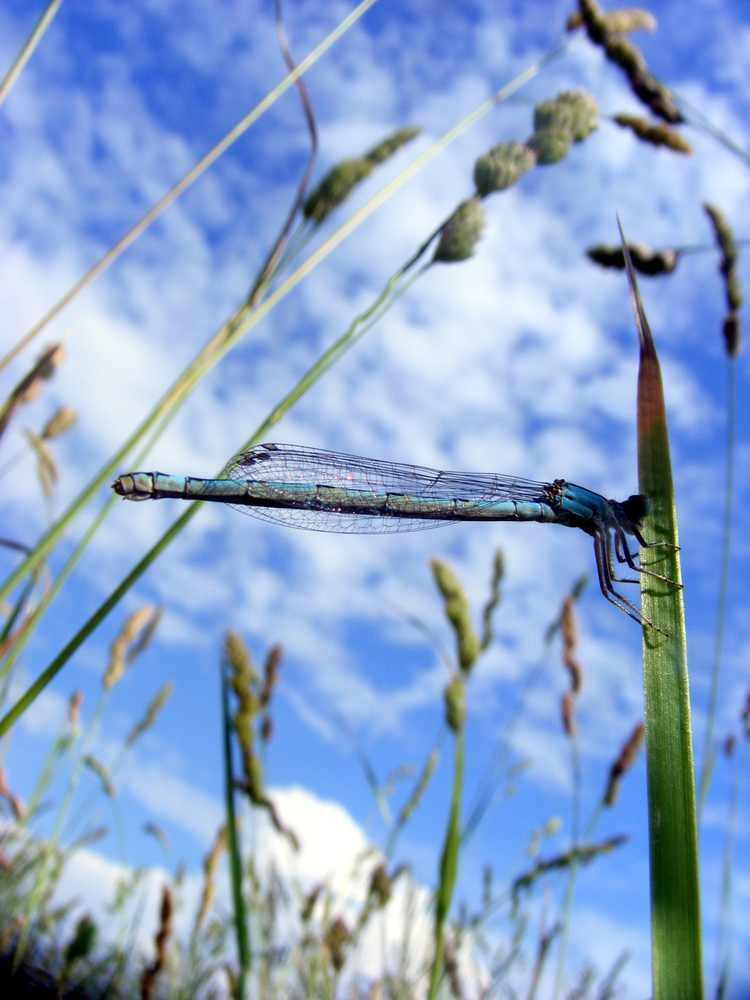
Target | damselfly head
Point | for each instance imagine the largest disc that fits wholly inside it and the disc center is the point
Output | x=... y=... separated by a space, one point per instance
x=636 y=507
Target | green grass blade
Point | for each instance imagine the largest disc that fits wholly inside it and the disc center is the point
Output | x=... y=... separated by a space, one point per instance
x=235 y=856
x=448 y=865
x=675 y=888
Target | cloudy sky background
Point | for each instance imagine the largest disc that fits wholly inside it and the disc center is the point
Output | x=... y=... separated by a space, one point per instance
x=521 y=360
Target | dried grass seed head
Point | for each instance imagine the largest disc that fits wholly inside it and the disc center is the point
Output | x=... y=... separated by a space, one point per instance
x=656 y=134
x=153 y=711
x=60 y=422
x=134 y=626
x=624 y=21
x=567 y=712
x=623 y=763
x=645 y=260
x=501 y=167
x=461 y=233
x=43 y=370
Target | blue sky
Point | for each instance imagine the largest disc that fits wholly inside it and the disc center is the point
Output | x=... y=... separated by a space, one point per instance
x=521 y=360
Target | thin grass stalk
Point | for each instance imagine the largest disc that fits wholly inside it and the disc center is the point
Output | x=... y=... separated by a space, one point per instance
x=448 y=865
x=563 y=926
x=162 y=411
x=207 y=161
x=19 y=63
x=244 y=951
x=708 y=757
x=724 y=931
x=698 y=119
x=51 y=845
x=677 y=968
x=246 y=319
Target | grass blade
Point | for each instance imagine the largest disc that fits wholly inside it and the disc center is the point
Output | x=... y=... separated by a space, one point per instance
x=235 y=857
x=673 y=833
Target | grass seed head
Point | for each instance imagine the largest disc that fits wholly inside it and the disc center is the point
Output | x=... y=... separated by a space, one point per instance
x=623 y=22
x=501 y=167
x=461 y=233
x=152 y=713
x=455 y=704
x=120 y=651
x=645 y=260
x=457 y=611
x=550 y=145
x=655 y=134
x=623 y=762
x=390 y=145
x=572 y=111
x=335 y=188
x=271 y=674
x=567 y=712
x=100 y=770
x=60 y=422
x=336 y=941
x=74 y=708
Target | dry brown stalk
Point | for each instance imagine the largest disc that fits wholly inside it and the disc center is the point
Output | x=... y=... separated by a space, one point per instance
x=164 y=932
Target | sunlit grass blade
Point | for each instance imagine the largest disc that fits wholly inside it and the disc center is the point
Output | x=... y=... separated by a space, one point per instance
x=27 y=51
x=675 y=889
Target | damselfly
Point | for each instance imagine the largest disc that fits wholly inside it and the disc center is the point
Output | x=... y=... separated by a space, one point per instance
x=330 y=491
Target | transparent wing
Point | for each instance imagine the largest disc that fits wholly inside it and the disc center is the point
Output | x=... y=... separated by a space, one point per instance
x=281 y=463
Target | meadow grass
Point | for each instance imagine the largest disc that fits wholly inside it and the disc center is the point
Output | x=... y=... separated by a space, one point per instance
x=248 y=947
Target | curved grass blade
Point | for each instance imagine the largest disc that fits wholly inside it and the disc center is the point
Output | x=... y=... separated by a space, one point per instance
x=673 y=833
